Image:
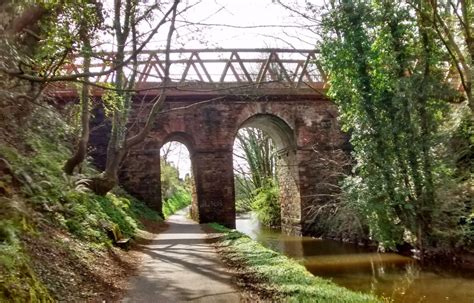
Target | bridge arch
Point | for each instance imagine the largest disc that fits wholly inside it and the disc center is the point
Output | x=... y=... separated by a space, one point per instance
x=278 y=129
x=304 y=128
x=181 y=137
x=286 y=165
x=188 y=141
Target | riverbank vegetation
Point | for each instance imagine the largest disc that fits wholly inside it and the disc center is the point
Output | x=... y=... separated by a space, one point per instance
x=411 y=131
x=256 y=176
x=270 y=275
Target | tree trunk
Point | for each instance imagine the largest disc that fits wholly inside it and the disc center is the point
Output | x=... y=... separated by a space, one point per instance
x=81 y=150
x=108 y=179
x=118 y=144
x=103 y=183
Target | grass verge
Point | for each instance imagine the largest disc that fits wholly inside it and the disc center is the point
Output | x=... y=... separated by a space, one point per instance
x=275 y=277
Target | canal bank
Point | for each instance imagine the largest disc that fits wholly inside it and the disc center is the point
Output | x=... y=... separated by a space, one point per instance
x=267 y=276
x=384 y=274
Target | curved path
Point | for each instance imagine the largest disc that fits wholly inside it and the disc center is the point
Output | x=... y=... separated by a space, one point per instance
x=180 y=266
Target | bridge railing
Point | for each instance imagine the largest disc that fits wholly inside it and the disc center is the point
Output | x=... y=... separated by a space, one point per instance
x=286 y=68
x=201 y=68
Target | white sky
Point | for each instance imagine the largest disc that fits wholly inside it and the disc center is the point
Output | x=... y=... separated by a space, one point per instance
x=230 y=24
x=178 y=156
x=237 y=18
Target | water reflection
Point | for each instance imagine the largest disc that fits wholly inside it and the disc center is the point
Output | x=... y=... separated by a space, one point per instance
x=358 y=268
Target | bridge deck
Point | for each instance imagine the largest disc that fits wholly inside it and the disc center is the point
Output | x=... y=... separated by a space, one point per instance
x=212 y=71
x=215 y=72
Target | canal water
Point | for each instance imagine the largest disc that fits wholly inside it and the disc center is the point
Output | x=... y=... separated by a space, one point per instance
x=387 y=274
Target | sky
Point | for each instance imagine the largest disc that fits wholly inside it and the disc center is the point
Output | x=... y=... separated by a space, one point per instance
x=237 y=24
x=240 y=24
x=246 y=23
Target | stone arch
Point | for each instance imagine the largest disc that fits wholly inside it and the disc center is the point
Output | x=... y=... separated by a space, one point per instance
x=187 y=141
x=287 y=167
x=305 y=129
x=182 y=138
x=275 y=127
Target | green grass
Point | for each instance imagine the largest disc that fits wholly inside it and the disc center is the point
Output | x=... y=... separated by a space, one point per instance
x=290 y=280
x=180 y=199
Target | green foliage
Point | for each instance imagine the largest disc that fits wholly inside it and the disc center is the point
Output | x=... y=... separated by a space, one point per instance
x=176 y=193
x=394 y=109
x=289 y=279
x=72 y=205
x=256 y=186
x=88 y=214
x=59 y=29
x=18 y=281
x=170 y=182
x=179 y=199
x=244 y=190
x=259 y=154
x=267 y=205
x=453 y=226
x=61 y=200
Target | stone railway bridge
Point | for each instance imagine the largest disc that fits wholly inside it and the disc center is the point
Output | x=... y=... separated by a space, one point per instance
x=215 y=93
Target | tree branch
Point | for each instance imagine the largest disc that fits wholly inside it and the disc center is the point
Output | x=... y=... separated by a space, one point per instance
x=161 y=99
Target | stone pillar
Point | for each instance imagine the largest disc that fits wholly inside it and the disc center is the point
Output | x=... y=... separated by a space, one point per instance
x=290 y=201
x=309 y=174
x=140 y=176
x=214 y=176
x=320 y=174
x=321 y=164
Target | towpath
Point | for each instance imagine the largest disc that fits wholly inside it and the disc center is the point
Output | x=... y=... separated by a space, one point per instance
x=179 y=265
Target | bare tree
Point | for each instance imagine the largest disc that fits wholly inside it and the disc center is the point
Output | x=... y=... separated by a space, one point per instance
x=453 y=23
x=119 y=144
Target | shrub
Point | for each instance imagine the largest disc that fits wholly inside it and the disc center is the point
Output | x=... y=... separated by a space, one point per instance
x=267 y=205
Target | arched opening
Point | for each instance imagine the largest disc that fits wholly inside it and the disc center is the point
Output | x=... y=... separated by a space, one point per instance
x=266 y=174
x=177 y=181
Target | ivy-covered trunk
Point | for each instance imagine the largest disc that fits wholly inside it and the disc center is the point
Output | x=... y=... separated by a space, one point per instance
x=81 y=148
x=383 y=74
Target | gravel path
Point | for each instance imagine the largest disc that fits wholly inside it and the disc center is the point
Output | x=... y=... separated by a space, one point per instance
x=180 y=266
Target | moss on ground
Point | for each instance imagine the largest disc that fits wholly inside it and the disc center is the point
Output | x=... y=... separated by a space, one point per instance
x=279 y=277
x=47 y=196
x=18 y=281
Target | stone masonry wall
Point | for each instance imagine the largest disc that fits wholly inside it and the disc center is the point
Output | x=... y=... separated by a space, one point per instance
x=208 y=130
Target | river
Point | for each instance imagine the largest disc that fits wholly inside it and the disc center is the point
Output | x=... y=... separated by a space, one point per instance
x=358 y=268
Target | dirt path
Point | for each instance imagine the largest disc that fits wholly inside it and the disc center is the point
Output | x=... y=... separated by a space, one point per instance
x=179 y=266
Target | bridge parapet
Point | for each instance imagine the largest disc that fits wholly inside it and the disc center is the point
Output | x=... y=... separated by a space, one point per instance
x=269 y=71
x=286 y=70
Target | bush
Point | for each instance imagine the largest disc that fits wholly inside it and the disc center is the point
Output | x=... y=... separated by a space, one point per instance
x=18 y=281
x=45 y=194
x=69 y=202
x=267 y=205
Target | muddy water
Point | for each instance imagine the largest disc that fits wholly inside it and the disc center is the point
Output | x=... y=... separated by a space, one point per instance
x=357 y=268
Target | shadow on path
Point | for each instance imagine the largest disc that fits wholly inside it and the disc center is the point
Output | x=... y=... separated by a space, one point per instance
x=179 y=265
